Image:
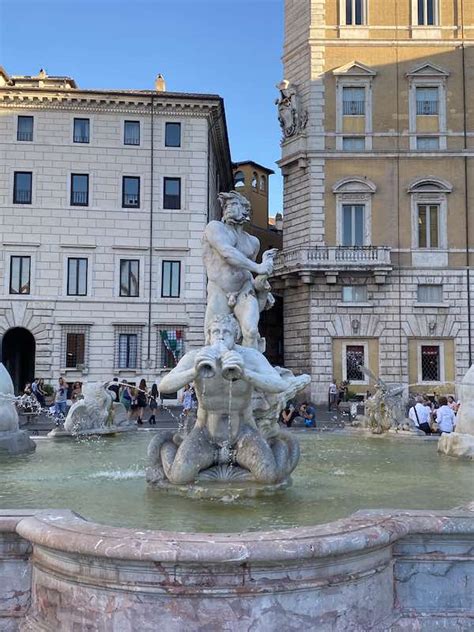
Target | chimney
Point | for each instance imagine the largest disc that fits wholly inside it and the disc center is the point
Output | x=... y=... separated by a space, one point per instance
x=279 y=221
x=160 y=85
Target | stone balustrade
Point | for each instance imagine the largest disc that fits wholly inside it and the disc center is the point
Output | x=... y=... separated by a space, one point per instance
x=376 y=570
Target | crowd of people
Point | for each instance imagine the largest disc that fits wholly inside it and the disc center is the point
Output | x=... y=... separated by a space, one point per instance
x=434 y=416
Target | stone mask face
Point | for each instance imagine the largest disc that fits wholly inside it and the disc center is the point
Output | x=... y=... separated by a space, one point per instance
x=222 y=334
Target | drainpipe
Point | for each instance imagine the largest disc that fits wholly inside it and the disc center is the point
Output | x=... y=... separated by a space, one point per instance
x=150 y=229
x=466 y=190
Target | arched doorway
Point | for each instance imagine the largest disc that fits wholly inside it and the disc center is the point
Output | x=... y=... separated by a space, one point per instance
x=18 y=356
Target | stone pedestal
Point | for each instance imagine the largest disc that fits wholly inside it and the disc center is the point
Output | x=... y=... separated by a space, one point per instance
x=457 y=444
x=460 y=443
x=17 y=442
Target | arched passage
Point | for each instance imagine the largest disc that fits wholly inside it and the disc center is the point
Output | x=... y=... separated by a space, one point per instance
x=18 y=356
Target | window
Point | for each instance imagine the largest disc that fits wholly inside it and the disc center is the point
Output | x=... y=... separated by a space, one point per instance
x=170 y=279
x=430 y=363
x=427 y=12
x=172 y=193
x=171 y=347
x=131 y=133
x=355 y=12
x=129 y=277
x=254 y=180
x=355 y=358
x=76 y=277
x=128 y=351
x=353 y=143
x=81 y=130
x=130 y=192
x=353 y=101
x=79 y=189
x=263 y=183
x=239 y=179
x=22 y=187
x=20 y=271
x=430 y=293
x=74 y=346
x=428 y=225
x=427 y=101
x=172 y=134
x=75 y=349
x=354 y=294
x=25 y=128
x=427 y=143
x=352 y=225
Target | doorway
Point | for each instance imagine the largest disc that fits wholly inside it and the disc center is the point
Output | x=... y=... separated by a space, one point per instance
x=18 y=356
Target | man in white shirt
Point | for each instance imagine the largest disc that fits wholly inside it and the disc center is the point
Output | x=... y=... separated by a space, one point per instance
x=332 y=395
x=445 y=417
x=420 y=415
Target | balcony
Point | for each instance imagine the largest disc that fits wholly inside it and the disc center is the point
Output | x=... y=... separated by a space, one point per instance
x=307 y=263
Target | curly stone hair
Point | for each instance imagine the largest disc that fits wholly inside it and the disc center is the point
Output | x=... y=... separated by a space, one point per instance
x=224 y=319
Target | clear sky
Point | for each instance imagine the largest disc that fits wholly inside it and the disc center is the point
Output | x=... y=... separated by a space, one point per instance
x=228 y=47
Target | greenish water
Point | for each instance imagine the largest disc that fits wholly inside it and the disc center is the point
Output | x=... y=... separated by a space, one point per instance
x=103 y=480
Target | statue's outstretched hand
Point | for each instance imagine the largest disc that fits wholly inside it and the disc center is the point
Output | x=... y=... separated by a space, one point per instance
x=266 y=267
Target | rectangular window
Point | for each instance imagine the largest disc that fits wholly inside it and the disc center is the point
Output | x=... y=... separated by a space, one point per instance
x=427 y=143
x=355 y=12
x=427 y=101
x=170 y=279
x=427 y=12
x=430 y=293
x=20 y=274
x=354 y=360
x=430 y=363
x=75 y=349
x=22 y=187
x=428 y=225
x=81 y=130
x=353 y=101
x=352 y=224
x=79 y=189
x=130 y=192
x=76 y=277
x=128 y=351
x=172 y=134
x=172 y=193
x=353 y=143
x=24 y=130
x=171 y=347
x=129 y=277
x=131 y=133
x=354 y=294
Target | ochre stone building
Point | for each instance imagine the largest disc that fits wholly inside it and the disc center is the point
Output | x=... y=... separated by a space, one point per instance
x=379 y=192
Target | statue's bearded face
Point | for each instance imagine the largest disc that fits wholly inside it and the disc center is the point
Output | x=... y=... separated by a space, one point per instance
x=236 y=212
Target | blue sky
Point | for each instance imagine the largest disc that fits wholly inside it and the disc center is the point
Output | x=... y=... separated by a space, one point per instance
x=228 y=47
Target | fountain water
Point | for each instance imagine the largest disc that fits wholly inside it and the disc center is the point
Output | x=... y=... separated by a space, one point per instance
x=12 y=439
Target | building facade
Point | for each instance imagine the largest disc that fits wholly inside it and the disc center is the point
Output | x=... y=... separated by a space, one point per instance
x=378 y=191
x=104 y=196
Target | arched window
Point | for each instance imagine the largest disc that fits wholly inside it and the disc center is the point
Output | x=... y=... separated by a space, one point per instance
x=254 y=180
x=354 y=211
x=263 y=183
x=239 y=179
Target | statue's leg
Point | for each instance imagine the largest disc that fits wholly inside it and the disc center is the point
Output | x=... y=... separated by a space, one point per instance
x=286 y=451
x=217 y=303
x=248 y=314
x=196 y=453
x=254 y=454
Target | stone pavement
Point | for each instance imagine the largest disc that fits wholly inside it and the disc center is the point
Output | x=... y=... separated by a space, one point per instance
x=168 y=418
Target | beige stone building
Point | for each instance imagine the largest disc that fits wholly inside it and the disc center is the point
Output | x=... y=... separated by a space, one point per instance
x=379 y=191
x=104 y=195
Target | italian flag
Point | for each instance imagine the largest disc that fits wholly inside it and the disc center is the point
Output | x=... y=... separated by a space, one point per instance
x=173 y=341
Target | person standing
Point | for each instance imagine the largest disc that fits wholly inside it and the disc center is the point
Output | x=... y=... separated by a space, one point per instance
x=60 y=398
x=332 y=395
x=126 y=399
x=76 y=392
x=142 y=399
x=420 y=415
x=445 y=417
x=115 y=389
x=153 y=404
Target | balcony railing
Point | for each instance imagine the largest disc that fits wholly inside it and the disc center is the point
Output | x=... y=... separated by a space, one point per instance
x=22 y=196
x=130 y=199
x=332 y=258
x=79 y=198
x=24 y=135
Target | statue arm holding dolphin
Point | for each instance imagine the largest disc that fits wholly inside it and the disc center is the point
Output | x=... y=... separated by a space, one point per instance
x=218 y=238
x=183 y=373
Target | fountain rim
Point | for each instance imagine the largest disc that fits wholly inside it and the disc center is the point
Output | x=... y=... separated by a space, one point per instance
x=67 y=531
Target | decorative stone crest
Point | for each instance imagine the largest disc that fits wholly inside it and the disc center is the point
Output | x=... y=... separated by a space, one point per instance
x=291 y=116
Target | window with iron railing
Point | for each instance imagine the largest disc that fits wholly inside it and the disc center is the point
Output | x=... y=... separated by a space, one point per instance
x=355 y=358
x=131 y=133
x=430 y=363
x=24 y=130
x=353 y=101
x=79 y=189
x=81 y=130
x=170 y=346
x=22 y=187
x=130 y=192
x=20 y=275
x=128 y=351
x=427 y=101
x=75 y=346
